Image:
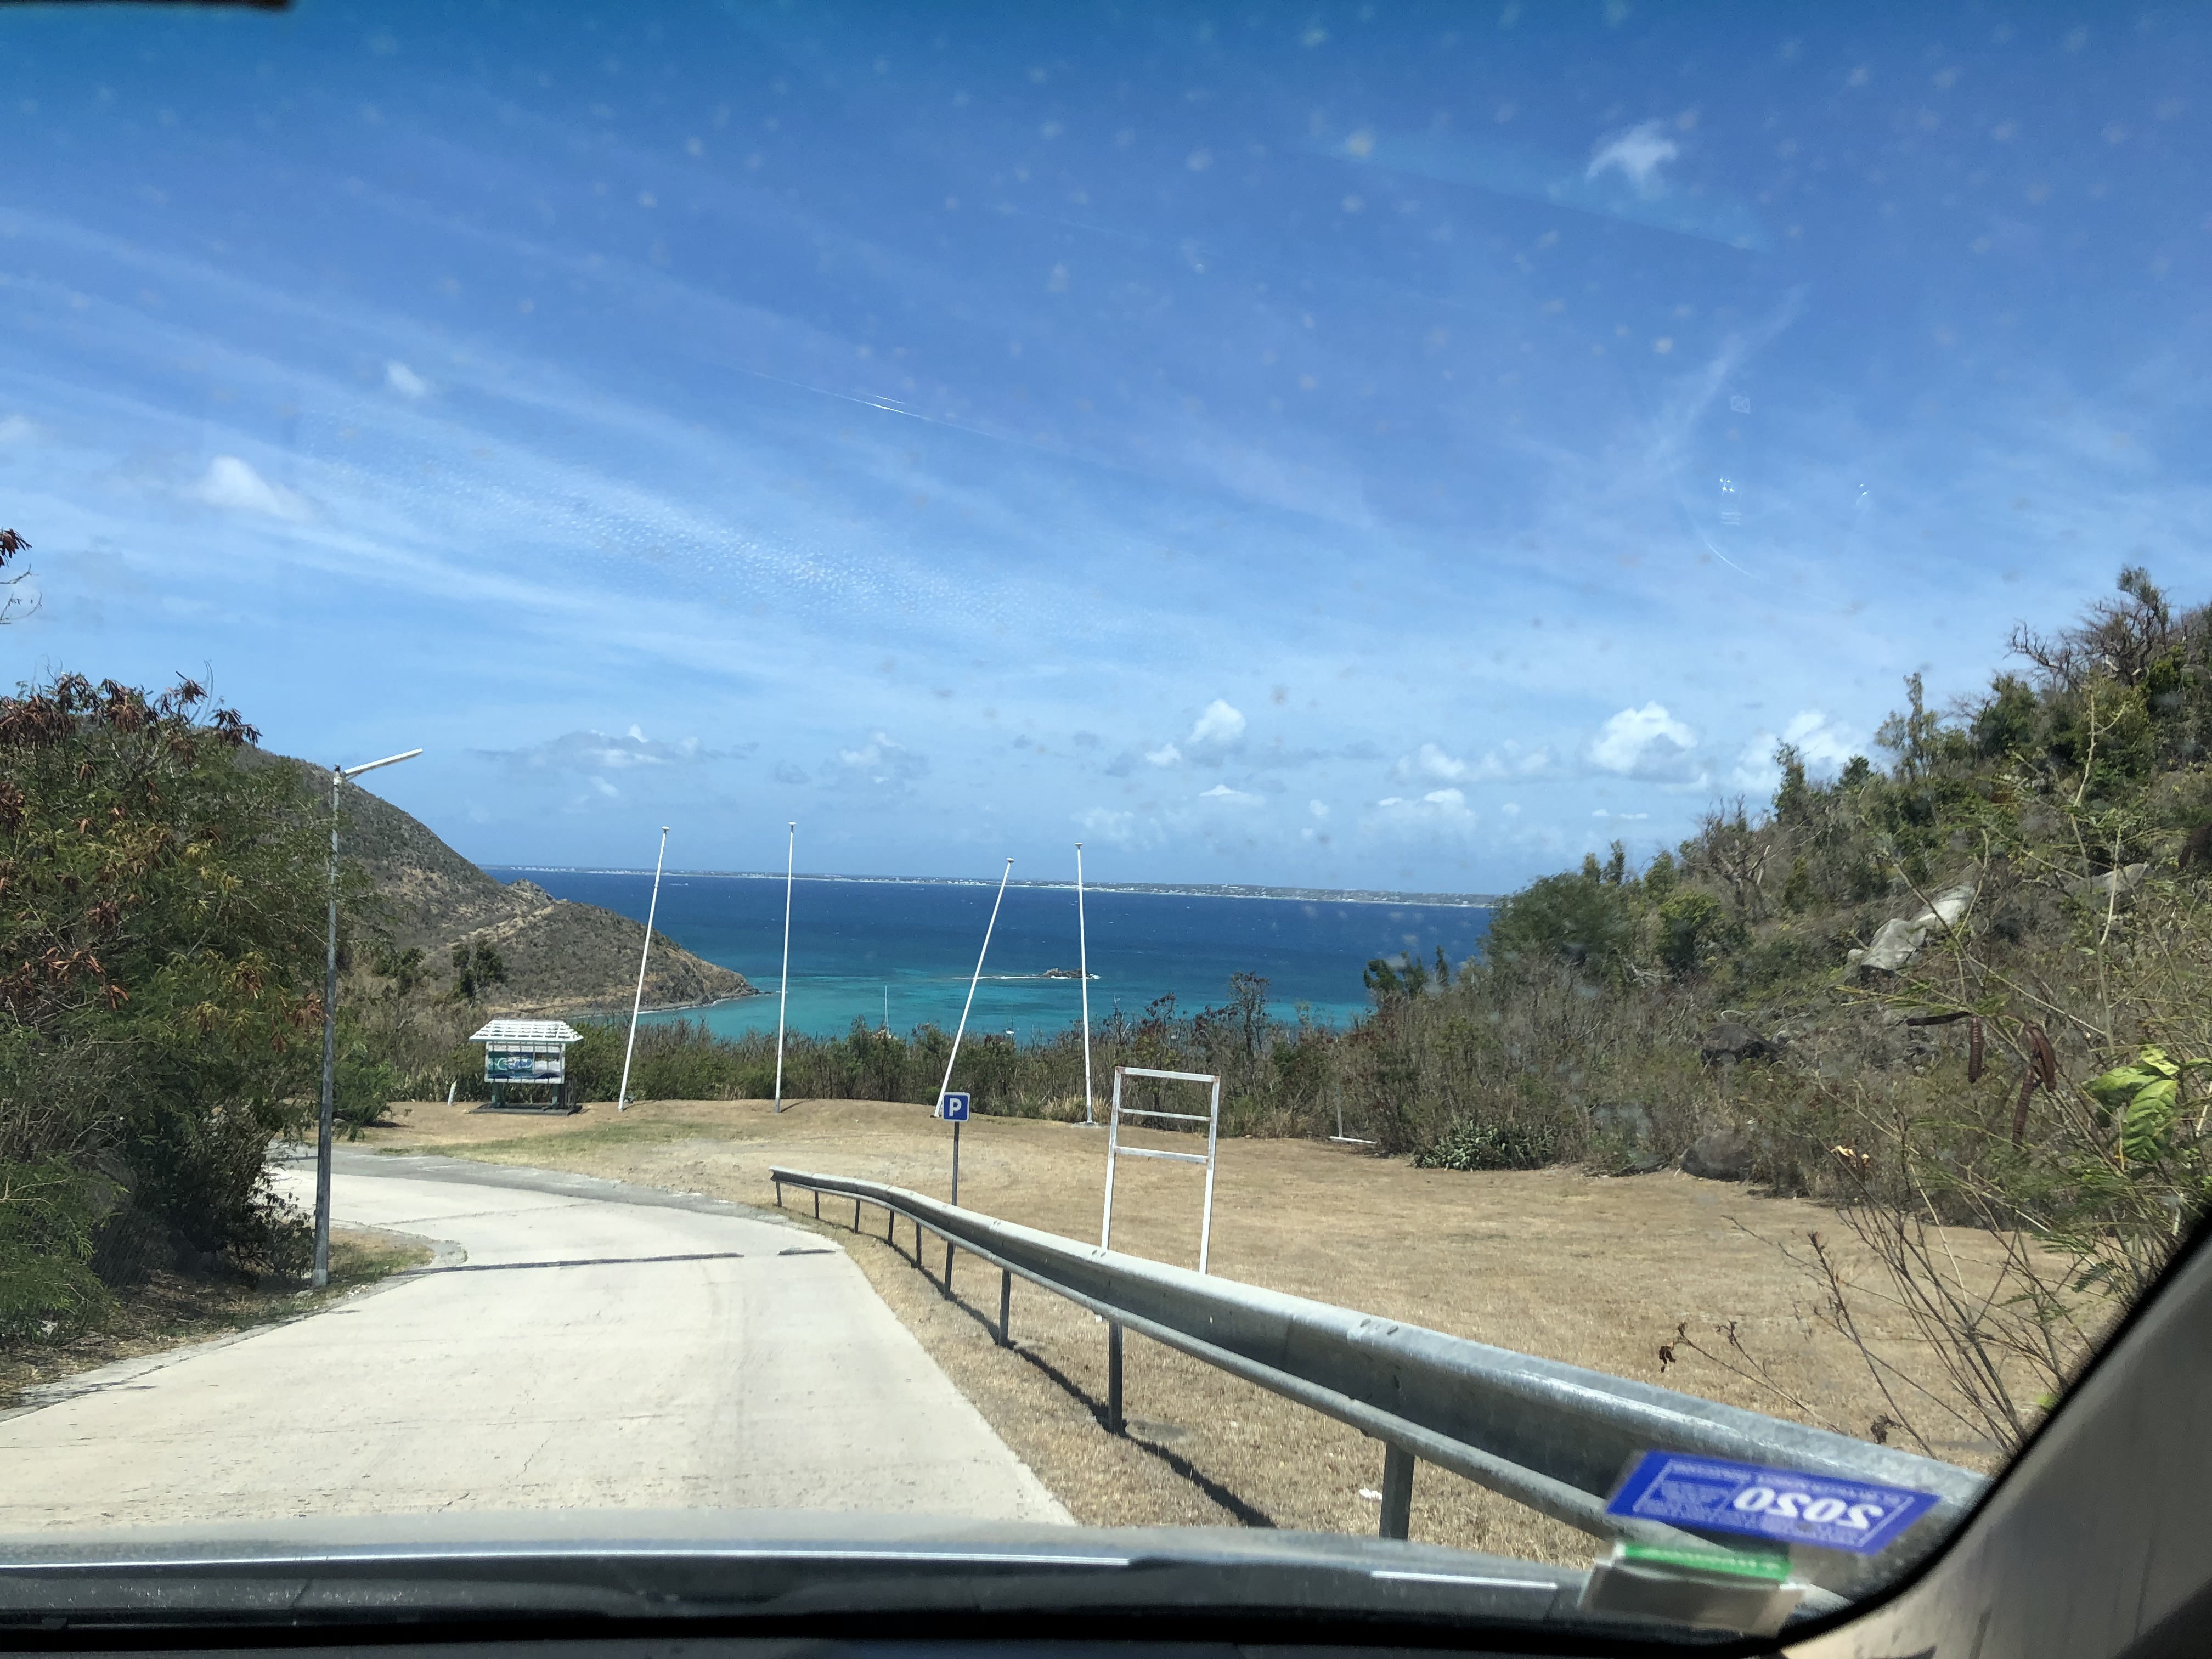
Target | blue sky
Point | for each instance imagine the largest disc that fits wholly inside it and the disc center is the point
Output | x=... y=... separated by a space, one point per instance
x=1357 y=446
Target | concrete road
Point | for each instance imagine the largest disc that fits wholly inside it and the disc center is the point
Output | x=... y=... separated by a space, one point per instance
x=579 y=1345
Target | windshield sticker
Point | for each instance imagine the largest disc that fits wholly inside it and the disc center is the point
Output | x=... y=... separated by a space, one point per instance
x=1715 y=1495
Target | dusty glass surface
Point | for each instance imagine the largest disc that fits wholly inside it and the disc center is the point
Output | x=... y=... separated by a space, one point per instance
x=1558 y=562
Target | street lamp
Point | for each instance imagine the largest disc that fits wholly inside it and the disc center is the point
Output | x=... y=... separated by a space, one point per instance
x=338 y=775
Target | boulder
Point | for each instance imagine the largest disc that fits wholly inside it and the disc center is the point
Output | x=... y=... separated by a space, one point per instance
x=1724 y=1154
x=2112 y=884
x=1897 y=940
x=1730 y=1041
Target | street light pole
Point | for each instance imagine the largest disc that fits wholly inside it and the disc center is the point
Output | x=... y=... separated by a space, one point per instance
x=651 y=909
x=322 y=1277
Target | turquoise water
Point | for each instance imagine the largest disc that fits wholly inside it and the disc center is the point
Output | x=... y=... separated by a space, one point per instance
x=905 y=950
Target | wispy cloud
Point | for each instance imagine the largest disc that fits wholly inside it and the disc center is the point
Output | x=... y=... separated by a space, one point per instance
x=881 y=765
x=404 y=380
x=596 y=751
x=231 y=484
x=1636 y=154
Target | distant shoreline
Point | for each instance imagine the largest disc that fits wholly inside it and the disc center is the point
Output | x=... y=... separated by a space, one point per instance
x=1159 y=889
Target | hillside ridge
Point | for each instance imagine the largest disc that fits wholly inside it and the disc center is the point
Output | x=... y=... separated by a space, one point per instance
x=561 y=958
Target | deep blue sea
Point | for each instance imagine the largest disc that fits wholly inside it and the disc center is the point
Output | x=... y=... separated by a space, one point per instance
x=906 y=948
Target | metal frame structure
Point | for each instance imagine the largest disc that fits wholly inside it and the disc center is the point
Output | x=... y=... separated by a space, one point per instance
x=1549 y=1435
x=1115 y=1149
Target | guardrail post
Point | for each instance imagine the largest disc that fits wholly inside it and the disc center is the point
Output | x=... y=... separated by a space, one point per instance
x=1006 y=1303
x=1114 y=1422
x=948 y=1267
x=779 y=1194
x=817 y=1204
x=1397 y=1492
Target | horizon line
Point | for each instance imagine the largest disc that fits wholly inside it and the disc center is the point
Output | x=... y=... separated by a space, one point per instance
x=1163 y=889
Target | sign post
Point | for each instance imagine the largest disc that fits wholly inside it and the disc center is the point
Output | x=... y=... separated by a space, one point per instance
x=953 y=1109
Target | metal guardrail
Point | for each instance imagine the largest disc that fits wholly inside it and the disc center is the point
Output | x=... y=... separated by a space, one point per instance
x=1552 y=1436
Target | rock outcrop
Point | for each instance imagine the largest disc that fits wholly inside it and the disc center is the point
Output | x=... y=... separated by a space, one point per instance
x=1723 y=1154
x=1900 y=940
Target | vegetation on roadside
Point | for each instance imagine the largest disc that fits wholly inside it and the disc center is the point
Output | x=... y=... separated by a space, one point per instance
x=161 y=923
x=1968 y=987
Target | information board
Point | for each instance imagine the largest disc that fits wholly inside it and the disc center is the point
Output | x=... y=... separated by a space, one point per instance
x=522 y=1062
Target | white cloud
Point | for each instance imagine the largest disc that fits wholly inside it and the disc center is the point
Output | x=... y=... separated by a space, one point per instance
x=232 y=484
x=1318 y=808
x=1638 y=154
x=1166 y=754
x=882 y=761
x=1222 y=792
x=15 y=428
x=1646 y=741
x=404 y=380
x=1823 y=746
x=1620 y=817
x=1446 y=807
x=1513 y=763
x=1431 y=762
x=1220 y=724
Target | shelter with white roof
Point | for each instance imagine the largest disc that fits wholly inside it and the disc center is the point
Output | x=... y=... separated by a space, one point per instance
x=531 y=1055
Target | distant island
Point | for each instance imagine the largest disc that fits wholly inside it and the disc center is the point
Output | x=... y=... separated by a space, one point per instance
x=1160 y=888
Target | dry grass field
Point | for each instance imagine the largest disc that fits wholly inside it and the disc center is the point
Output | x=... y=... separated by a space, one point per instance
x=1595 y=1271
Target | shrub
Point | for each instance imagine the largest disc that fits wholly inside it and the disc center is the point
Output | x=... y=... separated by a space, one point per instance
x=1467 y=1145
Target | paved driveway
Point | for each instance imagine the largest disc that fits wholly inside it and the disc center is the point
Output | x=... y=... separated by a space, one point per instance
x=579 y=1345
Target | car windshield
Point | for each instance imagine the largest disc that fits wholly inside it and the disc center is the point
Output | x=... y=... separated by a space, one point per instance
x=1406 y=805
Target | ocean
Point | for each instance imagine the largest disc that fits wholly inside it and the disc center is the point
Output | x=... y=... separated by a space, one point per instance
x=904 y=948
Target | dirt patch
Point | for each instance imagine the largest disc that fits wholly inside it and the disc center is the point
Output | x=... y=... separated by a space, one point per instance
x=1592 y=1270
x=171 y=1311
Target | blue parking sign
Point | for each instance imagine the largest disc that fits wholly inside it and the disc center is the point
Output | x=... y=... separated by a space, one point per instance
x=953 y=1109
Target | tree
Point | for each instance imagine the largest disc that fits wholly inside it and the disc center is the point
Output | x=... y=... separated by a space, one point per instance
x=13 y=606
x=160 y=944
x=476 y=968
x=1582 y=920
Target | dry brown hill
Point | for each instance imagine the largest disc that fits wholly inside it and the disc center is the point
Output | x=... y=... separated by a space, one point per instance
x=562 y=958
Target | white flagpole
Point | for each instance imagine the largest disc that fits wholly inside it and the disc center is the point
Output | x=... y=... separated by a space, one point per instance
x=1083 y=967
x=783 y=989
x=970 y=1003
x=651 y=909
